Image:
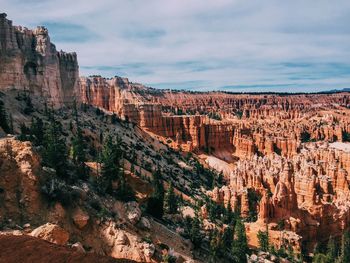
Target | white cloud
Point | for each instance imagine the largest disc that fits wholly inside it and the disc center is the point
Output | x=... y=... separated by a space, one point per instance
x=212 y=43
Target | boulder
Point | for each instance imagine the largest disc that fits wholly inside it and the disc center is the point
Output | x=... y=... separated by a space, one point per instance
x=80 y=218
x=52 y=233
x=133 y=212
x=78 y=247
x=144 y=223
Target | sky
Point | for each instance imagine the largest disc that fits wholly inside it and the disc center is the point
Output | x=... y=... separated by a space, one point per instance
x=236 y=45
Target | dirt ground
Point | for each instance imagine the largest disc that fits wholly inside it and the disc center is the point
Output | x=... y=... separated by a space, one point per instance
x=26 y=249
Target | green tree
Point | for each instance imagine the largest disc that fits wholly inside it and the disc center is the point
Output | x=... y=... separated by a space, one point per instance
x=110 y=159
x=195 y=232
x=240 y=245
x=345 y=248
x=170 y=201
x=4 y=122
x=215 y=245
x=78 y=154
x=28 y=109
x=263 y=237
x=227 y=237
x=332 y=250
x=229 y=215
x=156 y=201
x=54 y=150
x=37 y=131
x=320 y=258
x=124 y=192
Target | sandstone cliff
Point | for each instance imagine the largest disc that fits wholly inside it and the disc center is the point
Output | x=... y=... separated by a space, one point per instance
x=249 y=124
x=29 y=61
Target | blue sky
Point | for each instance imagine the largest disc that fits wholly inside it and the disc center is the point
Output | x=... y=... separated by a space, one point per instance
x=290 y=45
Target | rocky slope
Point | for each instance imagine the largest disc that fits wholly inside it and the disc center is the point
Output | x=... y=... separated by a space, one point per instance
x=116 y=228
x=281 y=142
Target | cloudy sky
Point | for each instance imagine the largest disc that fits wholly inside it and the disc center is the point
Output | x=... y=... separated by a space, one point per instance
x=242 y=45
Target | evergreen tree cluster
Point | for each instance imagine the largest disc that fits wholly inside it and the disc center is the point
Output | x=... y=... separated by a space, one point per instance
x=334 y=252
x=214 y=116
x=112 y=171
x=231 y=243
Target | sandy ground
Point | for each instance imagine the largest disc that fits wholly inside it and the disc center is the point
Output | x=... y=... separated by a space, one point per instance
x=218 y=164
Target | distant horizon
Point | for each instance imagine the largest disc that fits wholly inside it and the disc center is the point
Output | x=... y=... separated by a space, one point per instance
x=232 y=46
x=326 y=91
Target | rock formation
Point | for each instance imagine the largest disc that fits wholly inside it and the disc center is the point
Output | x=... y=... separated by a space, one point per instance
x=309 y=193
x=250 y=123
x=29 y=61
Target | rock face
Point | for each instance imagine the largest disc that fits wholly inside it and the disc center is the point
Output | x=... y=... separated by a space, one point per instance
x=19 y=169
x=125 y=245
x=140 y=105
x=29 y=61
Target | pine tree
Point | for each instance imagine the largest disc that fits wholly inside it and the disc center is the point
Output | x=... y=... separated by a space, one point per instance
x=170 y=201
x=54 y=151
x=78 y=147
x=11 y=129
x=195 y=233
x=110 y=159
x=124 y=192
x=78 y=154
x=23 y=136
x=215 y=245
x=4 y=118
x=37 y=131
x=227 y=237
x=229 y=215
x=263 y=237
x=240 y=245
x=28 y=106
x=156 y=201
x=345 y=249
x=332 y=250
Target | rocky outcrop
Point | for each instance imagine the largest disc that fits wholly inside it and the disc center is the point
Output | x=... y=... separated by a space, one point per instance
x=19 y=182
x=80 y=218
x=27 y=249
x=29 y=61
x=52 y=233
x=133 y=212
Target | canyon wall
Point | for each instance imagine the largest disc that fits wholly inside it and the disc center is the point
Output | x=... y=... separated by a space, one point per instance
x=29 y=61
x=244 y=125
x=137 y=103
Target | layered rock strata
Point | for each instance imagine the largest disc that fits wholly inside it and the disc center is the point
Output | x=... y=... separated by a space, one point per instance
x=29 y=61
